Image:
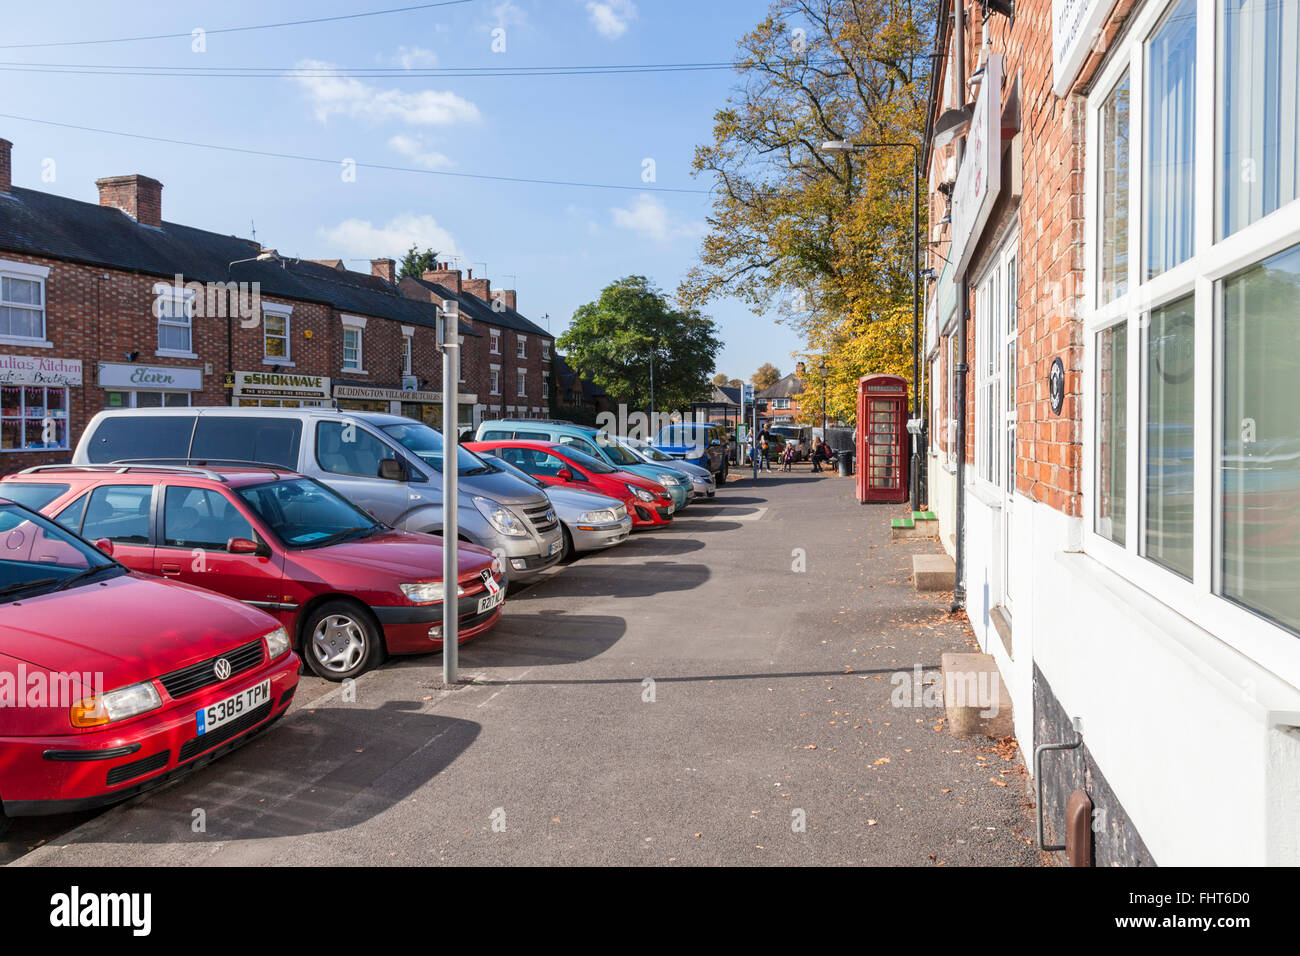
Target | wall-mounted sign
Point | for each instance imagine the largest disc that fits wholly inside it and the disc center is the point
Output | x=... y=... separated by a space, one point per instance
x=279 y=385
x=1056 y=385
x=1074 y=25
x=980 y=178
x=150 y=377
x=39 y=370
x=369 y=394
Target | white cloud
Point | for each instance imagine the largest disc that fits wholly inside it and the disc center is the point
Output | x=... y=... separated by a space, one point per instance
x=507 y=14
x=611 y=17
x=413 y=57
x=414 y=149
x=332 y=94
x=649 y=218
x=362 y=239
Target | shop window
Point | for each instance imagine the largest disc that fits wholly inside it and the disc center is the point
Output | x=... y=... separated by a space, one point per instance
x=33 y=418
x=1169 y=430
x=1170 y=138
x=1112 y=433
x=1113 y=129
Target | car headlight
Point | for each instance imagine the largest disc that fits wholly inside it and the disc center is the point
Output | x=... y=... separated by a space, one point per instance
x=277 y=643
x=620 y=513
x=640 y=493
x=596 y=517
x=427 y=592
x=501 y=517
x=669 y=481
x=115 y=705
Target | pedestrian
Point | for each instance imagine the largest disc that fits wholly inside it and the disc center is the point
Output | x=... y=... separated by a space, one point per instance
x=787 y=460
x=762 y=451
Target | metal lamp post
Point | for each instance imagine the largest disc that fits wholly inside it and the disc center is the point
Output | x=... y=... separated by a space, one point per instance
x=918 y=454
x=450 y=474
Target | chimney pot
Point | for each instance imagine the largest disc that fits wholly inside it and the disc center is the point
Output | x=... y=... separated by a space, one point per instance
x=6 y=167
x=138 y=196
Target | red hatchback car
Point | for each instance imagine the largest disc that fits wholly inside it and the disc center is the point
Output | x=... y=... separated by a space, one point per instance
x=112 y=682
x=348 y=588
x=555 y=464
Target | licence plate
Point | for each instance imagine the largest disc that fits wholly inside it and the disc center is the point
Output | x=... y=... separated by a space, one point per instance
x=556 y=546
x=490 y=601
x=233 y=707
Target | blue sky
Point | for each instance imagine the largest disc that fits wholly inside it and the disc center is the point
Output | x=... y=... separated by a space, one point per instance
x=561 y=244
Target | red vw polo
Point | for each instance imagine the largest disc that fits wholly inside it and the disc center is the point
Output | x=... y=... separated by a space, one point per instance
x=557 y=464
x=348 y=588
x=110 y=681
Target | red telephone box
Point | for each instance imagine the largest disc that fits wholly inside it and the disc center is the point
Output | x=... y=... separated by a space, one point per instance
x=882 y=439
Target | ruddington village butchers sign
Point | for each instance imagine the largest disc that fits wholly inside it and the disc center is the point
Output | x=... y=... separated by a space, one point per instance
x=33 y=370
x=1075 y=23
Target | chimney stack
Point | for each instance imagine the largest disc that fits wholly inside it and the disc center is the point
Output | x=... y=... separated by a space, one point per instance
x=509 y=296
x=138 y=196
x=386 y=269
x=6 y=167
x=445 y=276
x=479 y=288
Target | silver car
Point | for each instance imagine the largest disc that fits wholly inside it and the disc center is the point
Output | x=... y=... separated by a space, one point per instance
x=703 y=484
x=591 y=521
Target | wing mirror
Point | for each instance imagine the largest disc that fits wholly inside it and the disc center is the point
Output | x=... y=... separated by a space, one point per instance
x=242 y=546
x=390 y=469
x=564 y=474
x=103 y=544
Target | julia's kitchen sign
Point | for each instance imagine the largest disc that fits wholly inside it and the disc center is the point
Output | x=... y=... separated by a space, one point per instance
x=39 y=370
x=157 y=377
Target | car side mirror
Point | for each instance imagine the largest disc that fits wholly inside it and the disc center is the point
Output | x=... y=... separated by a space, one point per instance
x=103 y=544
x=242 y=546
x=390 y=469
x=564 y=474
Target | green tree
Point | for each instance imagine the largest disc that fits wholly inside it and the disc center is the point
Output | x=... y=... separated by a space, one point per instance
x=614 y=338
x=416 y=263
x=720 y=379
x=766 y=376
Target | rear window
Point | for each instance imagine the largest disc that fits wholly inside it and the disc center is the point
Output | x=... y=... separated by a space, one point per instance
x=33 y=495
x=496 y=434
x=533 y=436
x=273 y=441
x=140 y=436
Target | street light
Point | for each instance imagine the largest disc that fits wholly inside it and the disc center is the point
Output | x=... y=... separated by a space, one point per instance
x=821 y=369
x=840 y=146
x=263 y=255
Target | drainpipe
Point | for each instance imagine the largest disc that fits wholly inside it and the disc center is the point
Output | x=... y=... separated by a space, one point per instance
x=959 y=559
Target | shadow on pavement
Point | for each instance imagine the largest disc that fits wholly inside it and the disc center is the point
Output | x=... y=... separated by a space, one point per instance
x=620 y=580
x=548 y=637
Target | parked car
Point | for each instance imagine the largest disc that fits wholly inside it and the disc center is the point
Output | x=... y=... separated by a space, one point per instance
x=598 y=444
x=141 y=679
x=703 y=484
x=562 y=465
x=348 y=589
x=699 y=443
x=591 y=521
x=800 y=435
x=388 y=465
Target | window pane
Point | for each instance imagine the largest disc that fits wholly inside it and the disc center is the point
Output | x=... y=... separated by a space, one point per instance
x=1114 y=118
x=1112 y=432
x=119 y=513
x=1259 y=97
x=1169 y=435
x=1171 y=108
x=201 y=518
x=1261 y=438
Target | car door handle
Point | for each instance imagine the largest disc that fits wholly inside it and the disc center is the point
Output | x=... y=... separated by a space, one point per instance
x=171 y=569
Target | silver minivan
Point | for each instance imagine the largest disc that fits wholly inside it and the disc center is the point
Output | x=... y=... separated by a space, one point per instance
x=389 y=465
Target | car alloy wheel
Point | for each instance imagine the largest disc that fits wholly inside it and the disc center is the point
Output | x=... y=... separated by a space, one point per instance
x=341 y=641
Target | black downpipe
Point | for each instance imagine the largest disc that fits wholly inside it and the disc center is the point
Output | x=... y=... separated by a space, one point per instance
x=959 y=560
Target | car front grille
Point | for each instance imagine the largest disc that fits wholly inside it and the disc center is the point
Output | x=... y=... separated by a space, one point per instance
x=467 y=621
x=196 y=745
x=542 y=518
x=138 y=768
x=187 y=680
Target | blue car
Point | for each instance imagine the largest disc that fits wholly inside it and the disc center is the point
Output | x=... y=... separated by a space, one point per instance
x=697 y=443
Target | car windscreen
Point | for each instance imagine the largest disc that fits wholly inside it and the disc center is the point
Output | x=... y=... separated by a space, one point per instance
x=272 y=441
x=618 y=455
x=132 y=437
x=510 y=469
x=651 y=452
x=35 y=495
x=38 y=556
x=305 y=514
x=421 y=440
x=586 y=462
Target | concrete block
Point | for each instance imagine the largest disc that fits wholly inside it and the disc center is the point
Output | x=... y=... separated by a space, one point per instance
x=974 y=697
x=933 y=572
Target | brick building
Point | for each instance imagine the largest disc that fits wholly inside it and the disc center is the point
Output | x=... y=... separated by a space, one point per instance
x=108 y=304
x=512 y=367
x=1111 y=345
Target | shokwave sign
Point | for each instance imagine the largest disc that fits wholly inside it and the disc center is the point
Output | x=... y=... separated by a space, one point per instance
x=1075 y=25
x=980 y=178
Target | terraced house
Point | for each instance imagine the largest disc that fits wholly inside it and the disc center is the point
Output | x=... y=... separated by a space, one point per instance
x=108 y=304
x=1112 y=340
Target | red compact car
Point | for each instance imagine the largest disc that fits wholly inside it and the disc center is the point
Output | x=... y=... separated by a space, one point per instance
x=348 y=588
x=112 y=682
x=555 y=464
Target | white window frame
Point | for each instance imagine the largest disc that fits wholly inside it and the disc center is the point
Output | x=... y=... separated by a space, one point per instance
x=280 y=312
x=1269 y=644
x=185 y=297
x=22 y=418
x=357 y=324
x=28 y=273
x=522 y=381
x=521 y=346
x=494 y=379
x=494 y=341
x=408 y=349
